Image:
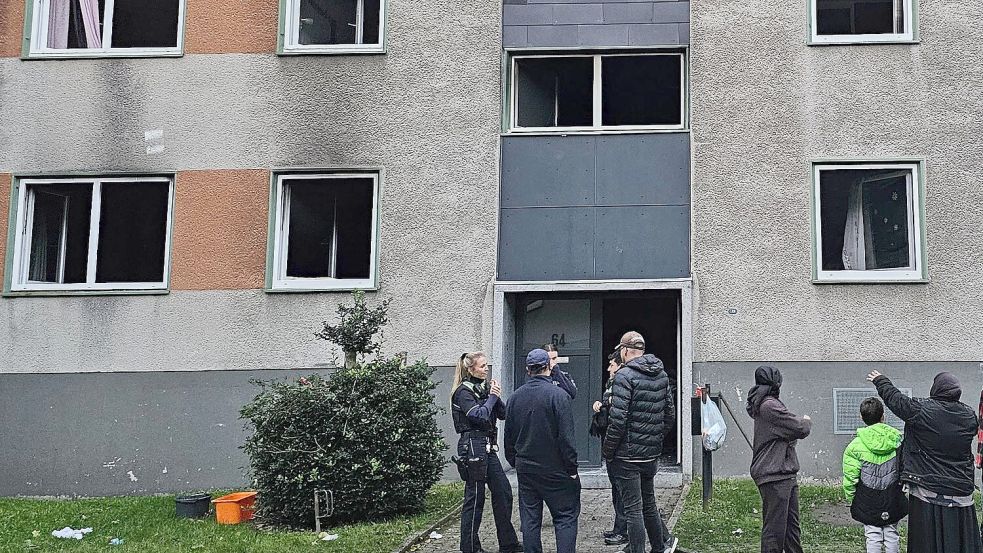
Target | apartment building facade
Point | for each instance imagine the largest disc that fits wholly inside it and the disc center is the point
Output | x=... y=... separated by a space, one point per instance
x=190 y=189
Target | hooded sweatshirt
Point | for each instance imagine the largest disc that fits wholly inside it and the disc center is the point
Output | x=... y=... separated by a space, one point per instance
x=641 y=410
x=874 y=445
x=776 y=431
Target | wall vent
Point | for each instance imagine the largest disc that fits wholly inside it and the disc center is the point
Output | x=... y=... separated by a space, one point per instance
x=846 y=409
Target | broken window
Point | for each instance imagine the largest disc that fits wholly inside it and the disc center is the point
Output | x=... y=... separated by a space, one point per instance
x=334 y=24
x=598 y=92
x=96 y=234
x=862 y=20
x=108 y=26
x=325 y=231
x=867 y=223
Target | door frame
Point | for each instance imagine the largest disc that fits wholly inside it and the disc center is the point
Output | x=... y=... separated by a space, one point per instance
x=504 y=334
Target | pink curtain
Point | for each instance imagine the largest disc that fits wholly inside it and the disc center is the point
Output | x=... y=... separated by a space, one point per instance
x=58 y=12
x=90 y=18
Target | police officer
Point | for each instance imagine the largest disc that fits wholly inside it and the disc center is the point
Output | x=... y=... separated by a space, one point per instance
x=476 y=406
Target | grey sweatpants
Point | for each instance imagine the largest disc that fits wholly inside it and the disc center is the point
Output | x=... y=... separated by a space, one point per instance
x=885 y=537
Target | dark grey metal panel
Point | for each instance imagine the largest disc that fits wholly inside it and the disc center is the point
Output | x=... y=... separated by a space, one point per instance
x=546 y=244
x=642 y=242
x=547 y=171
x=101 y=434
x=643 y=169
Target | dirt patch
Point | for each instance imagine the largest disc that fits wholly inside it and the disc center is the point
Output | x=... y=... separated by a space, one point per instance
x=837 y=514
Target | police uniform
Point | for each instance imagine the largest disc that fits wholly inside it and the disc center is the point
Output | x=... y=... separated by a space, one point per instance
x=475 y=413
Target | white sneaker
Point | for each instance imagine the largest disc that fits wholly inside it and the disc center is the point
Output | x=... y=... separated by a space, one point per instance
x=671 y=544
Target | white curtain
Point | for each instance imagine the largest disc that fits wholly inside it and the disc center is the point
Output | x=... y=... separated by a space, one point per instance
x=90 y=19
x=39 y=252
x=58 y=12
x=854 y=235
x=899 y=16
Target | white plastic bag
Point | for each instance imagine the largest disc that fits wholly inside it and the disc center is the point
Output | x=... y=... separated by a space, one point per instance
x=713 y=427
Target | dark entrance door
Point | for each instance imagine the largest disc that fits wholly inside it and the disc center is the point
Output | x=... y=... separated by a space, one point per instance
x=572 y=324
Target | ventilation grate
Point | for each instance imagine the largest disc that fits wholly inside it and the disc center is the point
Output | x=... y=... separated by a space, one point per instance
x=846 y=409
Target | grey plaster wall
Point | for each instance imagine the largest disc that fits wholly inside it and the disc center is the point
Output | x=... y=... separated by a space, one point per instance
x=594 y=23
x=807 y=389
x=763 y=106
x=594 y=207
x=427 y=112
x=136 y=433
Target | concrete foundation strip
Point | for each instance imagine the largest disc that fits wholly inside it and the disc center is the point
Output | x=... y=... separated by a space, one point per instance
x=425 y=533
x=678 y=509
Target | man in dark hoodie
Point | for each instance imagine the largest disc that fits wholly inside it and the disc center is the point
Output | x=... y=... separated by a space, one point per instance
x=539 y=443
x=937 y=465
x=774 y=463
x=641 y=410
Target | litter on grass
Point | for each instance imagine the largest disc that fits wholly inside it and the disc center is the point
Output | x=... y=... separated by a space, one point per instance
x=116 y=541
x=324 y=536
x=435 y=536
x=69 y=534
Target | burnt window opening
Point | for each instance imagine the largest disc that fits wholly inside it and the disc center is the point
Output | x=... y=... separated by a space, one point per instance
x=555 y=92
x=83 y=24
x=338 y=22
x=641 y=90
x=87 y=234
x=861 y=17
x=602 y=91
x=328 y=225
x=867 y=219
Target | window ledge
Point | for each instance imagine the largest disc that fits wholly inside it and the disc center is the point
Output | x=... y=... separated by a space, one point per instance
x=872 y=281
x=850 y=42
x=347 y=51
x=316 y=290
x=564 y=132
x=50 y=293
x=100 y=56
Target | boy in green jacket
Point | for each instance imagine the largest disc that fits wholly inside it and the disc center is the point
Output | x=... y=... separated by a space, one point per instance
x=871 y=472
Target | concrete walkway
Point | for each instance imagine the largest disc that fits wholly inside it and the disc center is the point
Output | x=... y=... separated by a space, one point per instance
x=596 y=516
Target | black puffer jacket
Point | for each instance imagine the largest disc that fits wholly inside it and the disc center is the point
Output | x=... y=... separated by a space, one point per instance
x=937 y=450
x=641 y=411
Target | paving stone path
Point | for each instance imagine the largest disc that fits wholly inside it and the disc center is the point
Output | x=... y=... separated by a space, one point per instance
x=596 y=516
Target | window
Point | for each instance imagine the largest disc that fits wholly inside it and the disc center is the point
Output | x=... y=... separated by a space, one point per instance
x=613 y=91
x=852 y=21
x=106 y=27
x=326 y=26
x=92 y=234
x=868 y=226
x=324 y=231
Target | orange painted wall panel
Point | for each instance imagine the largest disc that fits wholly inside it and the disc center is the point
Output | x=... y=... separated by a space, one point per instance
x=220 y=226
x=11 y=27
x=231 y=26
x=4 y=212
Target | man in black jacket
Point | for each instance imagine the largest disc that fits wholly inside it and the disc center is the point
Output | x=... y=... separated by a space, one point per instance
x=641 y=410
x=539 y=443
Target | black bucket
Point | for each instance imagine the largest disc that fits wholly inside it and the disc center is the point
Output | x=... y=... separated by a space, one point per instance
x=192 y=506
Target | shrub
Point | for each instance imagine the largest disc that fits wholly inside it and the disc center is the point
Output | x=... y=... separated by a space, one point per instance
x=356 y=326
x=368 y=434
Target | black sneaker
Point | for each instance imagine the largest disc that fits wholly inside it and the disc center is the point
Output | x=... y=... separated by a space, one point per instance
x=671 y=543
x=617 y=539
x=517 y=549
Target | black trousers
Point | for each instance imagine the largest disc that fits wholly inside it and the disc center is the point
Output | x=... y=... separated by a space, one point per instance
x=562 y=497
x=474 y=505
x=620 y=524
x=780 y=517
x=937 y=529
x=636 y=482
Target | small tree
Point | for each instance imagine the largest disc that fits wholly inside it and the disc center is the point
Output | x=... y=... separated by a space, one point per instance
x=356 y=327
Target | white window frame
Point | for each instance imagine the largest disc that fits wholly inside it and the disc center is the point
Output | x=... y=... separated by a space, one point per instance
x=915 y=227
x=22 y=237
x=291 y=34
x=39 y=37
x=598 y=89
x=281 y=237
x=908 y=35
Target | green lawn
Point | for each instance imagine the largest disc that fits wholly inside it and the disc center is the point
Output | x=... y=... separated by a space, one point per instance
x=149 y=524
x=736 y=505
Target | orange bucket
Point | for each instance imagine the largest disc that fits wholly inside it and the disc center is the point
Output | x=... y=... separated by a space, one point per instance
x=235 y=507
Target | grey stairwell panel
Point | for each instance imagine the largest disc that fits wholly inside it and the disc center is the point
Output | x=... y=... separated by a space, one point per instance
x=547 y=171
x=642 y=242
x=636 y=12
x=602 y=35
x=643 y=169
x=546 y=244
x=577 y=14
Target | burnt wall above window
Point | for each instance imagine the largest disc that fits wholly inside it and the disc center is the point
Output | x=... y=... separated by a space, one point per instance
x=594 y=23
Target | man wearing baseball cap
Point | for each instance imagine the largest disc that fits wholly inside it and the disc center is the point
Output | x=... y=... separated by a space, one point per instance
x=539 y=443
